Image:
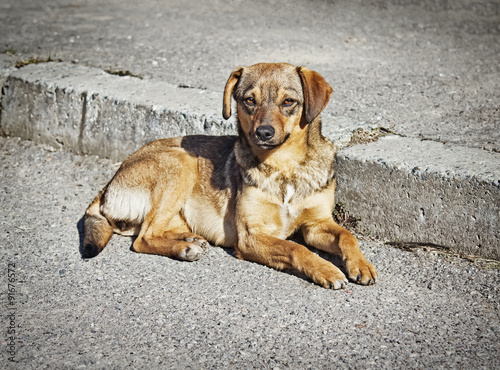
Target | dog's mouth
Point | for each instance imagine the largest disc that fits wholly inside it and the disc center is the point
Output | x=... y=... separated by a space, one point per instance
x=267 y=145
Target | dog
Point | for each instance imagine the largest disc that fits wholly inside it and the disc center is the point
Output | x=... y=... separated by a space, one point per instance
x=250 y=192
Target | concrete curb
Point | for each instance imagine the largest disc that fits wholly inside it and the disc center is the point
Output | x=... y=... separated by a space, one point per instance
x=89 y=111
x=423 y=191
x=402 y=188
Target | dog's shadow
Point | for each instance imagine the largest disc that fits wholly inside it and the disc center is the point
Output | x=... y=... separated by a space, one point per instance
x=79 y=226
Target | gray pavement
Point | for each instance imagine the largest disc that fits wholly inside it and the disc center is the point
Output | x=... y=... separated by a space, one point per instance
x=426 y=72
x=127 y=310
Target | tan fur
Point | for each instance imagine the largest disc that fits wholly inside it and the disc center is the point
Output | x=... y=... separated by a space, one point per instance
x=250 y=192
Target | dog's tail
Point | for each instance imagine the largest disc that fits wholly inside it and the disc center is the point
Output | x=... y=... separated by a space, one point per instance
x=96 y=229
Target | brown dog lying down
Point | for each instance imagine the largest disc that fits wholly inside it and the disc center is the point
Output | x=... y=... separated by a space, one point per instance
x=250 y=191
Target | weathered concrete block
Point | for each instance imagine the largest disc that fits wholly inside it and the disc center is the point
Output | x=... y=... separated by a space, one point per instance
x=88 y=111
x=122 y=114
x=6 y=69
x=41 y=111
x=424 y=191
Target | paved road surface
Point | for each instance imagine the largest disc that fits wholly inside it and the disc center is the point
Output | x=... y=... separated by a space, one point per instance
x=127 y=310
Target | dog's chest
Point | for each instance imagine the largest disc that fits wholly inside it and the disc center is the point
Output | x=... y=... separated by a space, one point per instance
x=288 y=210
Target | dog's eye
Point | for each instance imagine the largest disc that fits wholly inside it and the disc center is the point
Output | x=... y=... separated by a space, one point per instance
x=288 y=102
x=249 y=101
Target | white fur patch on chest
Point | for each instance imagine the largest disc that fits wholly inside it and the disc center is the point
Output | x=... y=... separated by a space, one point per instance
x=290 y=191
x=287 y=212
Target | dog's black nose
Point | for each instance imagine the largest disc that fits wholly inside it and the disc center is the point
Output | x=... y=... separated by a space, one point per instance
x=264 y=133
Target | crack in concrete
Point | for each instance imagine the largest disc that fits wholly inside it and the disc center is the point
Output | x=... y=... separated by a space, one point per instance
x=82 y=122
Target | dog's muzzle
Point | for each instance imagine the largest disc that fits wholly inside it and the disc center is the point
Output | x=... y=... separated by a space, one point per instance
x=264 y=133
x=265 y=137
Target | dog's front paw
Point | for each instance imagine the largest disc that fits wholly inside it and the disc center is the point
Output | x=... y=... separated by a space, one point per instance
x=194 y=249
x=329 y=276
x=361 y=271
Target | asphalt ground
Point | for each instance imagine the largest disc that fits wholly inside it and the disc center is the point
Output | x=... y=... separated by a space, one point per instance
x=128 y=310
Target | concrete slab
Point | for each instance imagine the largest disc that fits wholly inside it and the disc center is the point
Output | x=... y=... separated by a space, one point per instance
x=88 y=111
x=421 y=68
x=423 y=191
x=37 y=107
x=6 y=68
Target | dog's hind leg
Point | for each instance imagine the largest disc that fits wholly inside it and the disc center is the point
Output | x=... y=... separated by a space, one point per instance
x=96 y=230
x=165 y=231
x=172 y=238
x=177 y=241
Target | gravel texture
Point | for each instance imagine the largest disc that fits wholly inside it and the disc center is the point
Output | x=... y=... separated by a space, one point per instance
x=127 y=310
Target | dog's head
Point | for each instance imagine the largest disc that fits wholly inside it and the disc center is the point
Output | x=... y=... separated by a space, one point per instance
x=274 y=100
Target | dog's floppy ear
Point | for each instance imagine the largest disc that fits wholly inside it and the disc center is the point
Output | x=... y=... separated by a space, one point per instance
x=228 y=91
x=316 y=92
